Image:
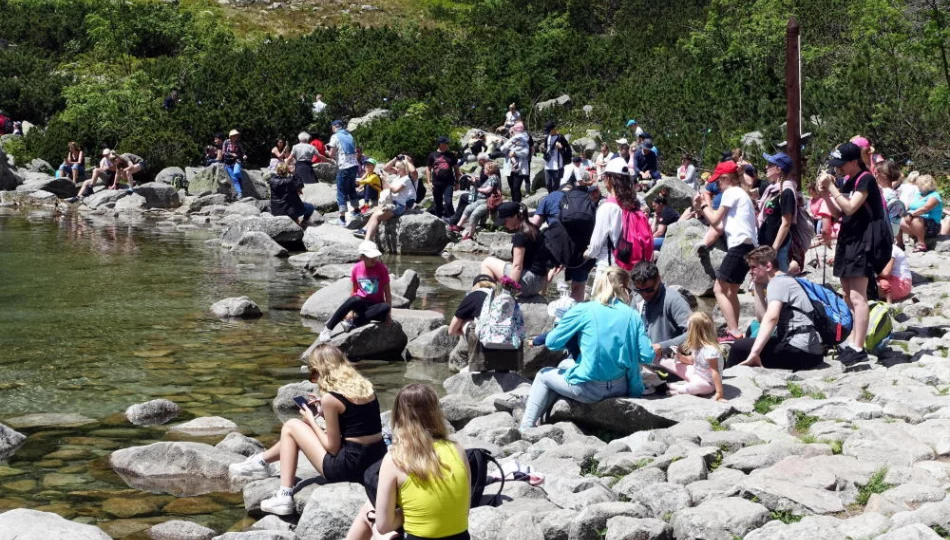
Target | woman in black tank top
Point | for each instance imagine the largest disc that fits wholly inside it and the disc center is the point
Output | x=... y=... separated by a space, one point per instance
x=351 y=442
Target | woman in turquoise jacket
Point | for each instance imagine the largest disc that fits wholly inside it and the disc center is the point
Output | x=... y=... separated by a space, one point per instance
x=613 y=344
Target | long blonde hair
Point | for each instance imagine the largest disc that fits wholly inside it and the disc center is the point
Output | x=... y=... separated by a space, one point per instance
x=700 y=332
x=612 y=283
x=332 y=372
x=417 y=424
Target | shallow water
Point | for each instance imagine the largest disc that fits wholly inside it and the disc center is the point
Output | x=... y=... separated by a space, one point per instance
x=97 y=315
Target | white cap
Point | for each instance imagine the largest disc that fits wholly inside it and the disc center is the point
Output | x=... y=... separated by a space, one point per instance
x=233 y=132
x=368 y=249
x=622 y=140
x=106 y=152
x=617 y=165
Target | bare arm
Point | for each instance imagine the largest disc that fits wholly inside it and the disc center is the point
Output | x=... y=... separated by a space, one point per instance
x=517 y=264
x=455 y=327
x=888 y=269
x=847 y=205
x=716 y=377
x=928 y=206
x=387 y=294
x=783 y=231
x=386 y=496
x=331 y=439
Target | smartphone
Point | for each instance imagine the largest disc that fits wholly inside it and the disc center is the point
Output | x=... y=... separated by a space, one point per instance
x=302 y=403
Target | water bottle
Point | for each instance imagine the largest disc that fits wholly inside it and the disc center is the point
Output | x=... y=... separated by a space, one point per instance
x=387 y=437
x=559 y=307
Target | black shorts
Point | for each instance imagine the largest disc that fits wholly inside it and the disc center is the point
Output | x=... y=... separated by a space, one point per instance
x=581 y=273
x=349 y=464
x=931 y=228
x=851 y=259
x=734 y=268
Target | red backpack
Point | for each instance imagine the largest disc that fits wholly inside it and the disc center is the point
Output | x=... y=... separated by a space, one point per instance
x=636 y=240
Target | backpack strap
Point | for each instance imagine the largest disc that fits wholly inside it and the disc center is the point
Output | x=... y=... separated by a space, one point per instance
x=496 y=499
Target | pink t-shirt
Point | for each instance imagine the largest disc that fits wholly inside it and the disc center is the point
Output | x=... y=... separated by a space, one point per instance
x=368 y=283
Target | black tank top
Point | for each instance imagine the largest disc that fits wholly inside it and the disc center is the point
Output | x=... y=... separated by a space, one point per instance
x=359 y=420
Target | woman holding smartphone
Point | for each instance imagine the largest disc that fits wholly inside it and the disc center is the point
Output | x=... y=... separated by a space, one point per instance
x=341 y=452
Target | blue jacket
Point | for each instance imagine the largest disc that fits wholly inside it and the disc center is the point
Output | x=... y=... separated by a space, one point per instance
x=613 y=343
x=645 y=162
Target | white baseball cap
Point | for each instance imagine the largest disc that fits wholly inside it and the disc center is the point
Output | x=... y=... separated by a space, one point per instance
x=617 y=165
x=368 y=249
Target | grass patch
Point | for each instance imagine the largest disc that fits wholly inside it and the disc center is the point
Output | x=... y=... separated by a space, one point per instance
x=940 y=531
x=589 y=468
x=785 y=516
x=804 y=422
x=795 y=390
x=875 y=484
x=808 y=439
x=717 y=460
x=643 y=463
x=765 y=404
x=865 y=395
x=818 y=395
x=835 y=446
x=716 y=424
x=944 y=391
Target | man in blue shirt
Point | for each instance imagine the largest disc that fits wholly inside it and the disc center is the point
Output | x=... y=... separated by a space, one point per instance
x=645 y=162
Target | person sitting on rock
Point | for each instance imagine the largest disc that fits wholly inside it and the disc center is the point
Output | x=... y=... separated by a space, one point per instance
x=105 y=171
x=213 y=152
x=466 y=197
x=664 y=310
x=372 y=298
x=782 y=306
x=403 y=190
x=126 y=165
x=530 y=260
x=895 y=281
x=698 y=361
x=425 y=474
x=471 y=306
x=350 y=443
x=663 y=216
x=613 y=345
x=923 y=214
x=369 y=184
x=278 y=154
x=285 y=191
x=478 y=208
x=73 y=166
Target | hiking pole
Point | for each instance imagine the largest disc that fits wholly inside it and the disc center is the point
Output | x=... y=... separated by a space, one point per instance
x=824 y=267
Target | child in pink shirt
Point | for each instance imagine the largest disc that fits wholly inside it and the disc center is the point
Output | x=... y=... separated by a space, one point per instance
x=372 y=298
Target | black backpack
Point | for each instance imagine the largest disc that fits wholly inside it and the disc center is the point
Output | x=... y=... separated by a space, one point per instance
x=568 y=237
x=478 y=459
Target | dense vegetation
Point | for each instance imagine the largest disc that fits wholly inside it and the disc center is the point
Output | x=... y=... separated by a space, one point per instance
x=96 y=71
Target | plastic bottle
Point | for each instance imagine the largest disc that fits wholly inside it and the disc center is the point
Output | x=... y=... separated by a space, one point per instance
x=559 y=307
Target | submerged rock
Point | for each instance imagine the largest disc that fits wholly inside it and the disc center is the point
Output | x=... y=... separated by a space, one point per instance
x=155 y=412
x=183 y=469
x=206 y=425
x=38 y=420
x=25 y=524
x=258 y=243
x=238 y=307
x=10 y=441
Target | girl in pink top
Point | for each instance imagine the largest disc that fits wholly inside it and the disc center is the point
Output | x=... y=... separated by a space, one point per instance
x=372 y=298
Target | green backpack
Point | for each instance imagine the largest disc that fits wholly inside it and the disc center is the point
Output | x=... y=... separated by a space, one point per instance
x=879 y=327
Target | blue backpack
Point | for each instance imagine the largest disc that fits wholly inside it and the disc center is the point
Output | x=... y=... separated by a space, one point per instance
x=830 y=315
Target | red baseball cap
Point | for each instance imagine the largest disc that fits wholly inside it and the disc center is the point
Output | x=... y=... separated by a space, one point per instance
x=726 y=167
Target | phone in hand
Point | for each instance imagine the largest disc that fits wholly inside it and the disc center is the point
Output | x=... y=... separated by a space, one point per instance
x=303 y=404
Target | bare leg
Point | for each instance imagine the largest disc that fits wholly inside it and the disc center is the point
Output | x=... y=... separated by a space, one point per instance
x=296 y=434
x=493 y=267
x=919 y=231
x=578 y=290
x=857 y=292
x=361 y=528
x=374 y=222
x=711 y=237
x=727 y=297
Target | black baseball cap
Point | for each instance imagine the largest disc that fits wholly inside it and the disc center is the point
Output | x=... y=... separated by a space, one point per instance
x=442 y=140
x=549 y=126
x=577 y=159
x=845 y=153
x=508 y=209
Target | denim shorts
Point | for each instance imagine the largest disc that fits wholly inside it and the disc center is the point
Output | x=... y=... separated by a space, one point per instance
x=399 y=209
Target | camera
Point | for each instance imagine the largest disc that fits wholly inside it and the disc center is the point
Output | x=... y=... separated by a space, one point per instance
x=400 y=157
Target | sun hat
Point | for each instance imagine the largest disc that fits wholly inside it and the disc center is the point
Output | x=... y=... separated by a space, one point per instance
x=233 y=132
x=368 y=249
x=622 y=140
x=617 y=165
x=106 y=152
x=726 y=167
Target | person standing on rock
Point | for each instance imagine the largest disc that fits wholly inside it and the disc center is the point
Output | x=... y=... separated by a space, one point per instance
x=302 y=154
x=613 y=345
x=557 y=152
x=425 y=474
x=443 y=173
x=343 y=149
x=512 y=117
x=787 y=338
x=351 y=442
x=778 y=206
x=517 y=150
x=372 y=298
x=737 y=213
x=232 y=152
x=664 y=311
x=608 y=222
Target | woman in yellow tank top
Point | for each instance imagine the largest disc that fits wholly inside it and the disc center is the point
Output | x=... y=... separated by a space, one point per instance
x=425 y=474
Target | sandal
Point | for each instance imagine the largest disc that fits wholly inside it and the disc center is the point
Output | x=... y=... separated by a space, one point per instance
x=920 y=248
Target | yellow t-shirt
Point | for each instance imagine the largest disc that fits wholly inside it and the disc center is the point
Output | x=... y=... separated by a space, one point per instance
x=439 y=507
x=373 y=181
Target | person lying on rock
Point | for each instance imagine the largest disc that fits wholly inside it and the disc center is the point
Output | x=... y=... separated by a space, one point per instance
x=664 y=311
x=698 y=361
x=372 y=298
x=351 y=442
x=613 y=344
x=782 y=305
x=425 y=473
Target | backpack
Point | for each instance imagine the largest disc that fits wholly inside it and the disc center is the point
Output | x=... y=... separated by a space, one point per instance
x=500 y=324
x=567 y=238
x=830 y=313
x=802 y=233
x=478 y=459
x=879 y=327
x=636 y=240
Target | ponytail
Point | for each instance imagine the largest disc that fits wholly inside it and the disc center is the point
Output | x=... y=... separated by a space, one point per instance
x=527 y=228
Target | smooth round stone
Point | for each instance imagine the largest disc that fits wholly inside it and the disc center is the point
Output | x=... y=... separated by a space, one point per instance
x=70 y=454
x=73 y=469
x=51 y=464
x=104 y=444
x=20 y=486
x=62 y=480
x=9 y=471
x=190 y=506
x=126 y=508
x=120 y=528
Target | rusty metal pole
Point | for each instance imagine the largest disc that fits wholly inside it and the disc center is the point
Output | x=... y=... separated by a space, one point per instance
x=793 y=97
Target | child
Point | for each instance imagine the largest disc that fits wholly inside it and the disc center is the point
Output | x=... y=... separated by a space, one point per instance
x=371 y=184
x=699 y=361
x=895 y=281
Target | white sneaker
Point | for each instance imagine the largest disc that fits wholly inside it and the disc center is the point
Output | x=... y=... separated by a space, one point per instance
x=325 y=335
x=281 y=505
x=250 y=468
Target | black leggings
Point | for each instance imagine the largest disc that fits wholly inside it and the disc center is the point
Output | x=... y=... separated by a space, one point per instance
x=457 y=216
x=364 y=309
x=775 y=355
x=514 y=182
x=442 y=199
x=459 y=536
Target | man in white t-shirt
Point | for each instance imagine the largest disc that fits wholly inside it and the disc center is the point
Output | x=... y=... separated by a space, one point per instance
x=557 y=152
x=318 y=105
x=737 y=213
x=512 y=117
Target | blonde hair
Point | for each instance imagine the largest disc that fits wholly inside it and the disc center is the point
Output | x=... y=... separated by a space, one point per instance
x=926 y=184
x=400 y=166
x=282 y=169
x=700 y=332
x=332 y=372
x=491 y=167
x=613 y=283
x=73 y=146
x=417 y=424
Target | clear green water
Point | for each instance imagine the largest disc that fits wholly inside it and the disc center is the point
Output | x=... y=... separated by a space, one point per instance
x=99 y=315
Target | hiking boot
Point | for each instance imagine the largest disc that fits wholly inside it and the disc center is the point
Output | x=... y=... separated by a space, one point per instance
x=360 y=233
x=281 y=505
x=72 y=199
x=252 y=467
x=849 y=357
x=325 y=335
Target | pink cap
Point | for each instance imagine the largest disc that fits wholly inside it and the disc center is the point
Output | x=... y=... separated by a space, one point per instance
x=861 y=141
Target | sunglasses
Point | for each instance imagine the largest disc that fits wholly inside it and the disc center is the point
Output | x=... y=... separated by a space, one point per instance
x=646 y=289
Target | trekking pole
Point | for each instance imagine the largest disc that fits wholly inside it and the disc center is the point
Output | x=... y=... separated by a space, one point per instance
x=824 y=267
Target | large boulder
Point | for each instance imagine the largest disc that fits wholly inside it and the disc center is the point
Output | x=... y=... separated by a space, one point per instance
x=42 y=198
x=238 y=443
x=325 y=301
x=61 y=187
x=254 y=185
x=681 y=264
x=166 y=175
x=10 y=441
x=25 y=524
x=205 y=426
x=132 y=204
x=627 y=415
x=560 y=101
x=258 y=243
x=181 y=468
x=158 y=195
x=326 y=172
x=416 y=322
x=458 y=274
x=240 y=307
x=481 y=385
x=416 y=234
x=432 y=346
x=151 y=413
x=584 y=144
x=406 y=285
x=719 y=519
x=9 y=179
x=329 y=235
x=214 y=179
x=281 y=229
x=320 y=195
x=38 y=165
x=104 y=198
x=342 y=254
x=366 y=119
x=680 y=194
x=329 y=512
x=284 y=400
x=376 y=340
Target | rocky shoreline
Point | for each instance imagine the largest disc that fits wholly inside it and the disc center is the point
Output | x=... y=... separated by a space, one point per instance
x=821 y=453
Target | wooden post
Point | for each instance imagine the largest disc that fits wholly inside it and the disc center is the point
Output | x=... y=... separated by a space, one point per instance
x=793 y=97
